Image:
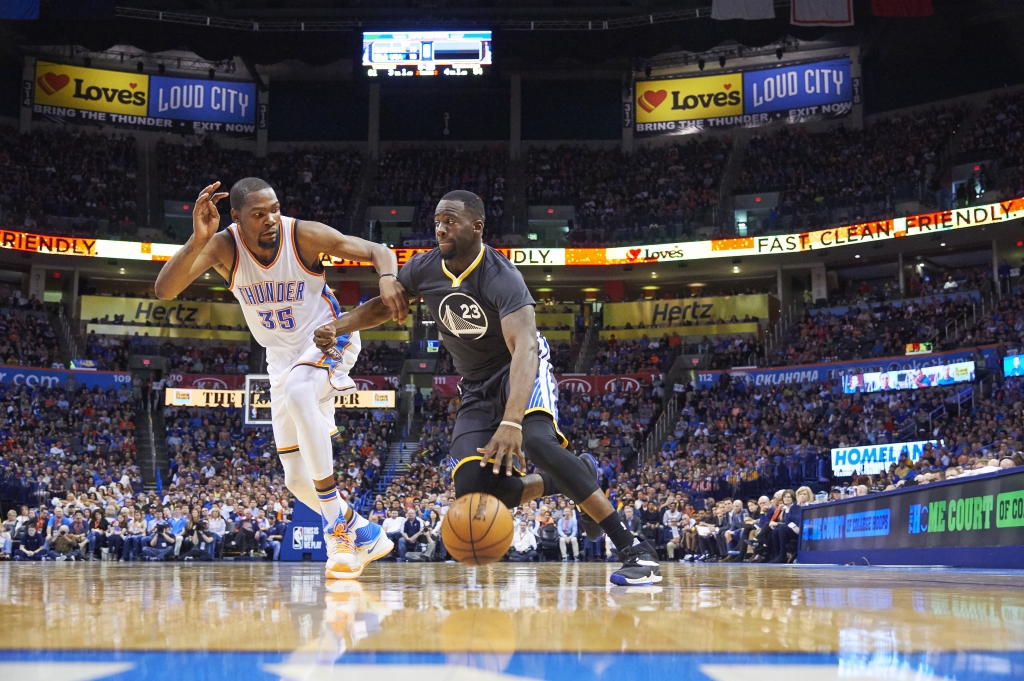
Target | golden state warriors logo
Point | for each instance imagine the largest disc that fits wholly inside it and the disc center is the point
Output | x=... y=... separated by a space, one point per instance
x=462 y=316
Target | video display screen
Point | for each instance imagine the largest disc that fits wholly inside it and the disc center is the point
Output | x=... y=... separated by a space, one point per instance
x=1013 y=365
x=427 y=53
x=909 y=379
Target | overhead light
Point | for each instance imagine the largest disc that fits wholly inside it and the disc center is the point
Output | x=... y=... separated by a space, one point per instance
x=548 y=277
x=735 y=269
x=857 y=256
x=942 y=245
x=591 y=289
x=207 y=275
x=545 y=290
x=122 y=270
x=696 y=285
x=654 y=275
x=650 y=288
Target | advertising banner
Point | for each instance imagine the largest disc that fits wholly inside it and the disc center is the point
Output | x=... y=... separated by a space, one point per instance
x=791 y=87
x=909 y=379
x=93 y=90
x=794 y=93
x=781 y=244
x=675 y=312
x=591 y=385
x=194 y=397
x=816 y=373
x=57 y=378
x=143 y=310
x=873 y=459
x=79 y=95
x=909 y=526
x=304 y=536
x=188 y=99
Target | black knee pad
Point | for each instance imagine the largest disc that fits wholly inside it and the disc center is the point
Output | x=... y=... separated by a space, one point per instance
x=469 y=477
x=543 y=448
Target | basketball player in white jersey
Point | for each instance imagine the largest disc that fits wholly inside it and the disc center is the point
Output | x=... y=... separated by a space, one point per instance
x=272 y=266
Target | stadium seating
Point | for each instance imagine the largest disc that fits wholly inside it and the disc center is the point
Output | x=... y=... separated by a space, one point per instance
x=656 y=194
x=58 y=181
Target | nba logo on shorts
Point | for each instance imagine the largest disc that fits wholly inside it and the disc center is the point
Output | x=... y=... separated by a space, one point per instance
x=296 y=537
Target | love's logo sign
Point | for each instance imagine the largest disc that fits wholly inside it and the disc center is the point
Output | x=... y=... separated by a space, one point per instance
x=51 y=82
x=650 y=100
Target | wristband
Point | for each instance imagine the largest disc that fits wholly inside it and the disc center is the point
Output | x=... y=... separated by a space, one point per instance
x=512 y=423
x=387 y=275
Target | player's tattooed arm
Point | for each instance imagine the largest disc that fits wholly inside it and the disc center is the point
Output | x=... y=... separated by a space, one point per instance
x=205 y=249
x=506 y=445
x=368 y=315
x=316 y=238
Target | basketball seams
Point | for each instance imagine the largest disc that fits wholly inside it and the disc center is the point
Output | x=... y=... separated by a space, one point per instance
x=474 y=551
x=472 y=547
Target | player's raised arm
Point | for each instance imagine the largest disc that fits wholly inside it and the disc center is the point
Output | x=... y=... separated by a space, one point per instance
x=202 y=251
x=506 y=446
x=316 y=238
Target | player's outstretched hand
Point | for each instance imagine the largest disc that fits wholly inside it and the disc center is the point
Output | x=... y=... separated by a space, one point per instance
x=505 y=448
x=324 y=337
x=394 y=297
x=205 y=216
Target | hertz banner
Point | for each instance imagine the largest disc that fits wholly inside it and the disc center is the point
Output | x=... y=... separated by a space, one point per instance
x=779 y=244
x=693 y=310
x=139 y=311
x=78 y=95
x=795 y=93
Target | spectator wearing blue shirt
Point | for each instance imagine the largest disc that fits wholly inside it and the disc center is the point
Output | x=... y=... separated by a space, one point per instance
x=567 y=533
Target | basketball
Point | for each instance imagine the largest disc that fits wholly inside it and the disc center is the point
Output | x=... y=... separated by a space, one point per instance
x=477 y=530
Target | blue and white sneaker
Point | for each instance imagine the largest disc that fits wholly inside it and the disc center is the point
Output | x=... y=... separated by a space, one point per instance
x=589 y=525
x=639 y=566
x=349 y=551
x=371 y=543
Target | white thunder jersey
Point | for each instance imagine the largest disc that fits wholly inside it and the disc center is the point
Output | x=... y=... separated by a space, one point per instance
x=283 y=303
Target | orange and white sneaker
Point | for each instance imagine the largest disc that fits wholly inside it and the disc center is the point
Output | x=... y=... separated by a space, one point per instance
x=343 y=560
x=349 y=551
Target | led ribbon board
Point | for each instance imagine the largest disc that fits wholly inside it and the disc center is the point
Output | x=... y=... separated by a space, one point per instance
x=782 y=244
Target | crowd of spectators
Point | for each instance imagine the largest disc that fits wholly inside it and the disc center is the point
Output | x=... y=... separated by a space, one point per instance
x=26 y=337
x=420 y=176
x=69 y=182
x=845 y=173
x=995 y=134
x=657 y=193
x=311 y=184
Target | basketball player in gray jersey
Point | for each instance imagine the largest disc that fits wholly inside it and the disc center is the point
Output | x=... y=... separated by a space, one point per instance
x=485 y=315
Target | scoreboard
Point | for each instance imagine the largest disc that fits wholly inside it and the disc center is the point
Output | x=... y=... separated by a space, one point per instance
x=427 y=53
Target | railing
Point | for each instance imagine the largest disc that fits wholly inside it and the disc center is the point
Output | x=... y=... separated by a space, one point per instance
x=66 y=330
x=656 y=435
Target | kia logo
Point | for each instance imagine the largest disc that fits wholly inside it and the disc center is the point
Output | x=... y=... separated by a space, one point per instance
x=628 y=385
x=364 y=384
x=210 y=384
x=576 y=385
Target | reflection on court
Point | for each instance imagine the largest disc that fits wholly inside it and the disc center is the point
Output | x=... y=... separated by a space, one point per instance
x=504 y=609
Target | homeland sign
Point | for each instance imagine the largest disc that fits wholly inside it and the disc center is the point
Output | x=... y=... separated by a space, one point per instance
x=874 y=459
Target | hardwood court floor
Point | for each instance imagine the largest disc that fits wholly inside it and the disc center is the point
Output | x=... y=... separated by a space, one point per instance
x=505 y=610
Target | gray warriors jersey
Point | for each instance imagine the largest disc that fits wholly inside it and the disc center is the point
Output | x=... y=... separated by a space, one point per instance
x=468 y=308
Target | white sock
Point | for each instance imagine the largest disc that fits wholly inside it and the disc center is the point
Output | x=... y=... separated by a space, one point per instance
x=330 y=504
